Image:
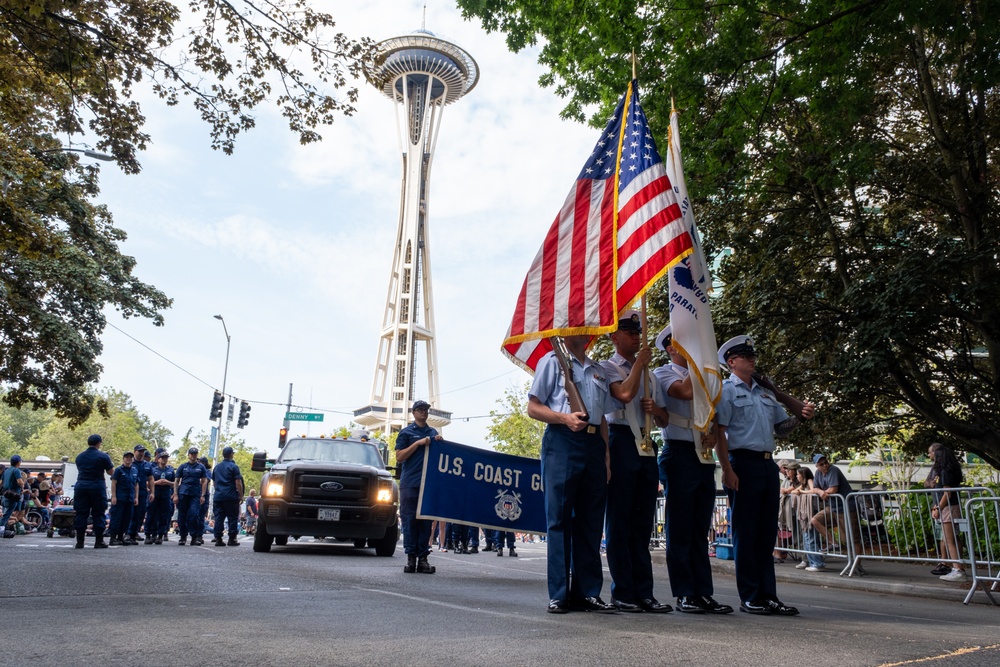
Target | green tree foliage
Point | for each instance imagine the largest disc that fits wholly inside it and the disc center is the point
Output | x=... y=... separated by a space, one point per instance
x=88 y=57
x=846 y=152
x=511 y=430
x=122 y=428
x=18 y=425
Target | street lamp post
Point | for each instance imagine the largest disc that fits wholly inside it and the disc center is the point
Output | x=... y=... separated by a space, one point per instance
x=225 y=373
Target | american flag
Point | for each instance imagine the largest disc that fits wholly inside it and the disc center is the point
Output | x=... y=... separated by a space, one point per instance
x=619 y=230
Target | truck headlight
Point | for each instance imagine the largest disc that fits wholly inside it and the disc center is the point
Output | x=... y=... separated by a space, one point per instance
x=384 y=494
x=275 y=485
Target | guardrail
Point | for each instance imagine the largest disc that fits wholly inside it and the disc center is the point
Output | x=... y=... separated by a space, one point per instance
x=982 y=516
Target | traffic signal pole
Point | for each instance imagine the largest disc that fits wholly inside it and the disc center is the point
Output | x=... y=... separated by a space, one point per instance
x=225 y=374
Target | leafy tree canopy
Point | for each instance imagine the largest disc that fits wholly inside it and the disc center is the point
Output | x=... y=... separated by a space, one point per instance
x=511 y=430
x=846 y=151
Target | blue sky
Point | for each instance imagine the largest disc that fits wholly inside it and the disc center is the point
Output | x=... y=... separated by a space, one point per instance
x=292 y=244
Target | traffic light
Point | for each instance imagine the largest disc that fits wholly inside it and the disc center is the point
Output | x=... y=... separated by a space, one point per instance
x=244 y=414
x=217 y=402
x=282 y=437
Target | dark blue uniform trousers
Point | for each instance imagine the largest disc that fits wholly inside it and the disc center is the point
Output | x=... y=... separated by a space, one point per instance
x=416 y=532
x=631 y=512
x=576 y=486
x=689 y=489
x=139 y=512
x=755 y=524
x=226 y=511
x=90 y=503
x=121 y=516
x=189 y=516
x=158 y=516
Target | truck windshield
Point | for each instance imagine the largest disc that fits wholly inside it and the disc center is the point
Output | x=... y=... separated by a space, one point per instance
x=340 y=451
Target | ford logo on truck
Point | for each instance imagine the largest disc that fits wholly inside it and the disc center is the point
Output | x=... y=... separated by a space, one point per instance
x=332 y=486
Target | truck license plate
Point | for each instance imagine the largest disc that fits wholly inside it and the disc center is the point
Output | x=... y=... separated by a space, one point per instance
x=329 y=515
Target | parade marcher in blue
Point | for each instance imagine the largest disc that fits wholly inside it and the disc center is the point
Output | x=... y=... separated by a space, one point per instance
x=143 y=472
x=749 y=418
x=411 y=444
x=688 y=486
x=124 y=499
x=190 y=483
x=13 y=483
x=226 y=500
x=160 y=507
x=90 y=493
x=634 y=483
x=575 y=472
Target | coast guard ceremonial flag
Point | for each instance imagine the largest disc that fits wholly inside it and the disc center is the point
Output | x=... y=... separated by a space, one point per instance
x=690 y=315
x=618 y=231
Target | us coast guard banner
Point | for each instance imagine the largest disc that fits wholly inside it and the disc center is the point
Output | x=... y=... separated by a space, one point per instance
x=481 y=487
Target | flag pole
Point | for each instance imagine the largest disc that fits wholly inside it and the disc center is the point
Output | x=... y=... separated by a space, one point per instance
x=647 y=438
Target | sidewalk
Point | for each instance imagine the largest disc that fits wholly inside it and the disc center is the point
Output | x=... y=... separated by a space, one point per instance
x=888 y=577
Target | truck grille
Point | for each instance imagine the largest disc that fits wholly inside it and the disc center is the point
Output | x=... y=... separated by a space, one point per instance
x=356 y=488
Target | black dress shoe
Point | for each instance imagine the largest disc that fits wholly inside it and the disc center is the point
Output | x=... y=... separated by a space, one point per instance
x=558 y=607
x=655 y=607
x=626 y=606
x=756 y=608
x=690 y=605
x=709 y=604
x=777 y=607
x=594 y=604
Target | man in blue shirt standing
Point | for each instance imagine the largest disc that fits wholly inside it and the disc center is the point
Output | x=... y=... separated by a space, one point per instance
x=13 y=481
x=90 y=494
x=411 y=444
x=160 y=509
x=576 y=466
x=750 y=416
x=190 y=484
x=143 y=471
x=228 y=495
x=124 y=499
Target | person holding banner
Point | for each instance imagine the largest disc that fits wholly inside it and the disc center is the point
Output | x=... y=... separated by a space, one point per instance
x=749 y=418
x=575 y=471
x=411 y=444
x=688 y=486
x=634 y=480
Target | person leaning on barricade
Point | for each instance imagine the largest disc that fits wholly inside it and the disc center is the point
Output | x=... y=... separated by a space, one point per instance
x=831 y=482
x=947 y=474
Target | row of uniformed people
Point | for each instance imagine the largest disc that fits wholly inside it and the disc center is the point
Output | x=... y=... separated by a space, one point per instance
x=146 y=491
x=596 y=467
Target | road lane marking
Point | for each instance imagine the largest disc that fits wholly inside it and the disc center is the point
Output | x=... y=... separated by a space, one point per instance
x=951 y=654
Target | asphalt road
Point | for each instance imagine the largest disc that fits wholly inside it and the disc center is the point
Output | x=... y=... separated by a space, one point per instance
x=330 y=604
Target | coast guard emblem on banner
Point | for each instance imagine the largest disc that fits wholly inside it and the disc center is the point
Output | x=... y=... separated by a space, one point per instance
x=508 y=505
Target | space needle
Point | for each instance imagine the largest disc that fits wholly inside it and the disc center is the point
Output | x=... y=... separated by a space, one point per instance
x=422 y=74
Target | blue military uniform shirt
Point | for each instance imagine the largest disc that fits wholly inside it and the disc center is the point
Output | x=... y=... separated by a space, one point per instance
x=91 y=464
x=224 y=477
x=413 y=467
x=125 y=479
x=749 y=415
x=590 y=378
x=166 y=473
x=143 y=471
x=190 y=475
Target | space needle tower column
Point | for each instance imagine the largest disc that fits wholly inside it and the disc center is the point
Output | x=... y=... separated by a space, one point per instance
x=421 y=74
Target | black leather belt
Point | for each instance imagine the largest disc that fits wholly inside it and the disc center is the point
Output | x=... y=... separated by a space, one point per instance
x=750 y=454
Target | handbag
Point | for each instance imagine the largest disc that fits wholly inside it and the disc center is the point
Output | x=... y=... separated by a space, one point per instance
x=12 y=495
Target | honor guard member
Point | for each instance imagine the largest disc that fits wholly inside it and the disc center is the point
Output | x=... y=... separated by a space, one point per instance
x=749 y=418
x=227 y=498
x=411 y=445
x=190 y=482
x=575 y=471
x=143 y=471
x=124 y=499
x=90 y=493
x=205 y=497
x=688 y=485
x=160 y=507
x=634 y=483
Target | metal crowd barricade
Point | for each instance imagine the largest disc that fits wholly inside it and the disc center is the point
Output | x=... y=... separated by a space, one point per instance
x=658 y=539
x=896 y=525
x=817 y=529
x=981 y=521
